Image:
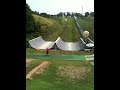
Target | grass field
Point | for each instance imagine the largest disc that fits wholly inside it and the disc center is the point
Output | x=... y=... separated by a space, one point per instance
x=30 y=50
x=63 y=75
x=57 y=55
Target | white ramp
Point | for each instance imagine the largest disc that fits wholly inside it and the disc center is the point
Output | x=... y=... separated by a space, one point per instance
x=68 y=46
x=39 y=43
x=47 y=44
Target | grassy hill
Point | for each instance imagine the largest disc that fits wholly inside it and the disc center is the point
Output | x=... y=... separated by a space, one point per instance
x=58 y=26
x=44 y=21
x=51 y=28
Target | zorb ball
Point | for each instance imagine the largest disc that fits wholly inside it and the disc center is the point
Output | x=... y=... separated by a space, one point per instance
x=85 y=34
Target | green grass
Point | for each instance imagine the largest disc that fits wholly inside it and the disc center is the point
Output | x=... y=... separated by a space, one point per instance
x=51 y=28
x=92 y=63
x=44 y=21
x=49 y=80
x=55 y=57
x=30 y=50
x=71 y=33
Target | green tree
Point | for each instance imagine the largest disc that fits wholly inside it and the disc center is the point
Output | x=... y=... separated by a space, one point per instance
x=60 y=14
x=86 y=14
x=68 y=14
x=78 y=14
x=45 y=15
x=92 y=14
x=29 y=20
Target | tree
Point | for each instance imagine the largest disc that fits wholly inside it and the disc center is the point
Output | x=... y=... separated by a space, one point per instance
x=35 y=12
x=45 y=15
x=64 y=13
x=78 y=14
x=29 y=20
x=72 y=14
x=60 y=14
x=87 y=14
x=92 y=14
x=68 y=14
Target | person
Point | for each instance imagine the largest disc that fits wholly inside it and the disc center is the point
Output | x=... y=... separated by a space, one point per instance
x=47 y=52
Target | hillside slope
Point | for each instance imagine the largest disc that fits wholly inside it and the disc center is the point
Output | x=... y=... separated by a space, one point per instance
x=59 y=27
x=51 y=28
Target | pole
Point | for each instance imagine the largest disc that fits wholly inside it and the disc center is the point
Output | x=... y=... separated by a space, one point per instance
x=82 y=9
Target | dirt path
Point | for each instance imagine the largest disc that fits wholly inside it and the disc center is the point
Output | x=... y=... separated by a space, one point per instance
x=29 y=60
x=37 y=70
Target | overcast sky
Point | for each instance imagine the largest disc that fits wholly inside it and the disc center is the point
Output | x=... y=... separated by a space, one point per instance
x=56 y=6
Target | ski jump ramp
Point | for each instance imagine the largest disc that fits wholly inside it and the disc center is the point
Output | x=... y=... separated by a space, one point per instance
x=39 y=43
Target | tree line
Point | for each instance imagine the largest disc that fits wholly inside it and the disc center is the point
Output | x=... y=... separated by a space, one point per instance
x=87 y=14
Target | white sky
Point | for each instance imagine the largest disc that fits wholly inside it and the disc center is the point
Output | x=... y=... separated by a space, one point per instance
x=56 y=6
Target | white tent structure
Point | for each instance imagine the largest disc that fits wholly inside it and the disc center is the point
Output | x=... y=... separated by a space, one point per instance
x=39 y=43
x=67 y=46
